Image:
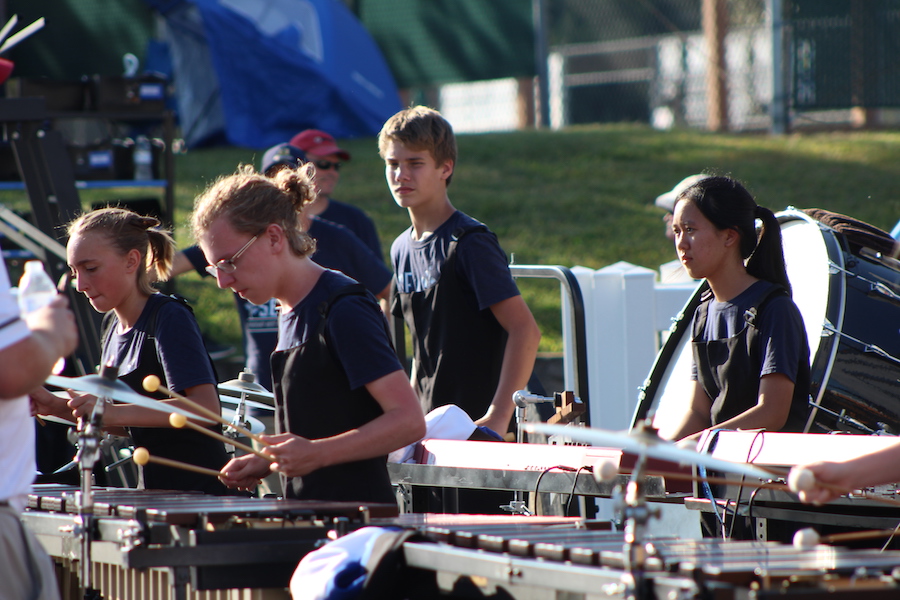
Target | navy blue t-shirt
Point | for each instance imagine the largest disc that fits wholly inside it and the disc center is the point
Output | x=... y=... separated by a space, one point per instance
x=355 y=330
x=336 y=248
x=179 y=345
x=781 y=327
x=355 y=220
x=481 y=262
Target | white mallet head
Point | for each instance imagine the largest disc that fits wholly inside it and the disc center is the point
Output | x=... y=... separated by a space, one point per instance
x=806 y=538
x=605 y=470
x=801 y=479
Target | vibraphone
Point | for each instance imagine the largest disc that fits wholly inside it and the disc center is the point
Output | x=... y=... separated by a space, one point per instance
x=777 y=513
x=567 y=559
x=159 y=545
x=532 y=468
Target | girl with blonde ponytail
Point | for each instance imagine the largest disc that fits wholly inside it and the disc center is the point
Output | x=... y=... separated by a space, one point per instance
x=111 y=253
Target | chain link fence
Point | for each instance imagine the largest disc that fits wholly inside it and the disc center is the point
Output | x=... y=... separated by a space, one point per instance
x=713 y=64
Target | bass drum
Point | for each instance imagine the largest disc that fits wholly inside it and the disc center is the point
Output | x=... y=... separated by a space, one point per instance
x=847 y=287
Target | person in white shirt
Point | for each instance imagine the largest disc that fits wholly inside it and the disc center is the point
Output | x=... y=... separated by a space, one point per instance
x=29 y=346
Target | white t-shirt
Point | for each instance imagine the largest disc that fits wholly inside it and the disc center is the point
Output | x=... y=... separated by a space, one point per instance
x=18 y=467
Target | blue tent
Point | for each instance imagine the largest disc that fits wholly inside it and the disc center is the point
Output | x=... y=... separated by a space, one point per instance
x=280 y=66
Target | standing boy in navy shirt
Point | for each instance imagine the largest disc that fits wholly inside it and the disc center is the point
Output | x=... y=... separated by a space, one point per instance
x=474 y=338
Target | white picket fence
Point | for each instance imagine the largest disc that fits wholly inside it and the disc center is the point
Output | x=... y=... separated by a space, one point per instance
x=627 y=313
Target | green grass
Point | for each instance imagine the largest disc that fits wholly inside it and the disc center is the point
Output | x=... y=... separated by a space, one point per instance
x=584 y=196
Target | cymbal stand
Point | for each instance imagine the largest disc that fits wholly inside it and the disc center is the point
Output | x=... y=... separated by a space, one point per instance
x=635 y=513
x=90 y=437
x=240 y=412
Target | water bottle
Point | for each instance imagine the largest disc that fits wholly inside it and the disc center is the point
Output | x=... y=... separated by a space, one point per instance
x=36 y=289
x=143 y=159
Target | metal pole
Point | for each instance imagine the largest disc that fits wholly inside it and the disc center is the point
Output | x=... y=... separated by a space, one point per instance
x=778 y=108
x=539 y=20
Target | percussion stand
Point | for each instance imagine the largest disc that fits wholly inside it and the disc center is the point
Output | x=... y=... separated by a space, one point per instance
x=246 y=381
x=90 y=438
x=238 y=420
x=522 y=399
x=635 y=513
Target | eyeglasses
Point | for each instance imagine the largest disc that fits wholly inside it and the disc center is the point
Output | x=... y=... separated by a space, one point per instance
x=327 y=164
x=227 y=265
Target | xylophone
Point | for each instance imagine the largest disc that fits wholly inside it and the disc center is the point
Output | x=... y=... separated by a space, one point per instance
x=526 y=559
x=161 y=545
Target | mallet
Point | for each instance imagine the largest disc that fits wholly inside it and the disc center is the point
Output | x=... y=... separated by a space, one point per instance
x=178 y=421
x=152 y=384
x=142 y=456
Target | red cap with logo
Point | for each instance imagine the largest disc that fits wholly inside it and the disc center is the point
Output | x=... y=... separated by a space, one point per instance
x=314 y=141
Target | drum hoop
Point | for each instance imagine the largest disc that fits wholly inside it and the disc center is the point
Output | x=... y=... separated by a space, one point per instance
x=651 y=388
x=837 y=289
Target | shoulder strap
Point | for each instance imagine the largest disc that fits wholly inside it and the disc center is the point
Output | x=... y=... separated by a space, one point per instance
x=353 y=289
x=151 y=325
x=459 y=232
x=701 y=313
x=151 y=320
x=751 y=315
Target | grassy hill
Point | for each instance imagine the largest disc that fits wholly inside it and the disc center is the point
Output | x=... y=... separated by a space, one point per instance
x=584 y=196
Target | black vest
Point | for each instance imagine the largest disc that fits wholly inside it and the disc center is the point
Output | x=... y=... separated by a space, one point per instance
x=735 y=363
x=458 y=349
x=313 y=400
x=183 y=445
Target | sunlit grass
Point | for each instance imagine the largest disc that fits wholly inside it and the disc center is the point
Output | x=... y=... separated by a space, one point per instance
x=579 y=197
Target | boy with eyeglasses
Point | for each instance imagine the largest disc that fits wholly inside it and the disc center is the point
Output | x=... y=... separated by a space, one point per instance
x=474 y=338
x=322 y=151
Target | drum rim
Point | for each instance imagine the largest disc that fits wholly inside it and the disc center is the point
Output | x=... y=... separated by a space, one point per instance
x=834 y=311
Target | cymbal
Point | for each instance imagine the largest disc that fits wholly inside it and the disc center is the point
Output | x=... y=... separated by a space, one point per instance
x=254 y=425
x=246 y=384
x=649 y=445
x=248 y=403
x=55 y=419
x=119 y=391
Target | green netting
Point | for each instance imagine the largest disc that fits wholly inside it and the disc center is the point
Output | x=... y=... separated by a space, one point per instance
x=81 y=37
x=443 y=41
x=845 y=53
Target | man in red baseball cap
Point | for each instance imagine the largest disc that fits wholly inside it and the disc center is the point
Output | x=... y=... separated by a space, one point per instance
x=322 y=151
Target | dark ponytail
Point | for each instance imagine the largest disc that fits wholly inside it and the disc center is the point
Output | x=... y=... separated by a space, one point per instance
x=728 y=205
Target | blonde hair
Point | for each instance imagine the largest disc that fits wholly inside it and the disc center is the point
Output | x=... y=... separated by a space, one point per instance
x=420 y=128
x=126 y=230
x=251 y=201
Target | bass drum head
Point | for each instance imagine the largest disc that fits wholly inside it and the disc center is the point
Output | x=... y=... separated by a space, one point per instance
x=854 y=389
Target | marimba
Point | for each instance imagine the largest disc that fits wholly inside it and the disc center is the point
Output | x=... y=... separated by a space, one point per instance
x=517 y=557
x=159 y=545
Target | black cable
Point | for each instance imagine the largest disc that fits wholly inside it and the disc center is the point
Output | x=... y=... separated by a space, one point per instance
x=750 y=458
x=575 y=485
x=537 y=484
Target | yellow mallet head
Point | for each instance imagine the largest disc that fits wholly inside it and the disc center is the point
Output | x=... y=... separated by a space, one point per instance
x=177 y=420
x=151 y=383
x=140 y=456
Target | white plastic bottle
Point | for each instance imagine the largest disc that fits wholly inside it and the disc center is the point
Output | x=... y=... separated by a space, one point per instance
x=143 y=159
x=36 y=289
